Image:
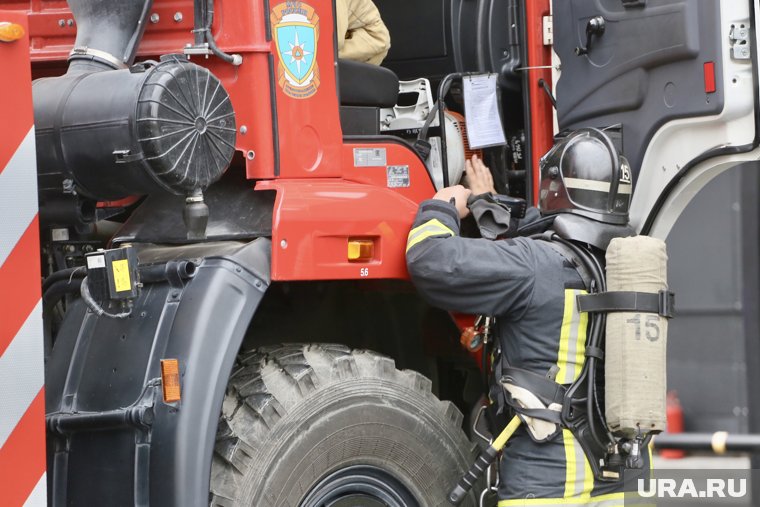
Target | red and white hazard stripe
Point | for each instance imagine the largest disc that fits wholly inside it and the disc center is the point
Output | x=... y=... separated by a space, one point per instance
x=22 y=397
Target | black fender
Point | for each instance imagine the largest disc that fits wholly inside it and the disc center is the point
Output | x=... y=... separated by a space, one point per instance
x=112 y=440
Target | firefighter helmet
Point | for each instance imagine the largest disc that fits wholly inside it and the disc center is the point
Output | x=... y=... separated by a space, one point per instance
x=584 y=174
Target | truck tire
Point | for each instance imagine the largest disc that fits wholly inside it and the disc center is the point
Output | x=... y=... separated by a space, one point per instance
x=318 y=425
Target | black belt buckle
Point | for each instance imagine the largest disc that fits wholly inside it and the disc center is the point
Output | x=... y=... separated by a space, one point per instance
x=667 y=304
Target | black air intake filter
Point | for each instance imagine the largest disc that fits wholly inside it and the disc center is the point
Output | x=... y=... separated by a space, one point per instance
x=167 y=126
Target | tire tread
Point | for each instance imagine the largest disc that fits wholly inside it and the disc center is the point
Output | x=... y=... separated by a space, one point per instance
x=268 y=382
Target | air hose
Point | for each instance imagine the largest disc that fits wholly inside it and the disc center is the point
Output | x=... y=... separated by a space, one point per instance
x=597 y=325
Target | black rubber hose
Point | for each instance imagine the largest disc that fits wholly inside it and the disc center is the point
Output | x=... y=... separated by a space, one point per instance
x=200 y=10
x=443 y=90
x=233 y=59
x=591 y=263
x=594 y=265
x=50 y=298
x=67 y=274
x=172 y=270
x=149 y=274
x=56 y=290
x=218 y=52
x=484 y=365
x=592 y=402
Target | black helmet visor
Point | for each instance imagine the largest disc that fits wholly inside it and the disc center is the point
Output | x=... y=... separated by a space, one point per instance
x=584 y=172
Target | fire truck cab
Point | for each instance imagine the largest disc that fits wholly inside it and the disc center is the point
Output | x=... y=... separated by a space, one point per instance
x=224 y=206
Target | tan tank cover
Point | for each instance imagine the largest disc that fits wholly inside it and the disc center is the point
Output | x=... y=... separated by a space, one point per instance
x=636 y=342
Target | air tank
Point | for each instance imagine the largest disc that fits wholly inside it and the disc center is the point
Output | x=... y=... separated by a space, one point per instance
x=636 y=342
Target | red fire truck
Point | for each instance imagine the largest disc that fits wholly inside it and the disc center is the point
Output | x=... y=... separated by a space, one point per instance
x=223 y=212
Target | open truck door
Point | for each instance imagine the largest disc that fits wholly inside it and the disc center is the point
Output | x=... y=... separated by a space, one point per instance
x=674 y=82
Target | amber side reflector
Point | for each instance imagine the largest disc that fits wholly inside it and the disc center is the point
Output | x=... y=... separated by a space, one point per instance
x=360 y=249
x=10 y=31
x=170 y=380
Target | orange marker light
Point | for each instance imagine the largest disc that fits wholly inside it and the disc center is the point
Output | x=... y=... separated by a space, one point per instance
x=170 y=380
x=10 y=31
x=360 y=249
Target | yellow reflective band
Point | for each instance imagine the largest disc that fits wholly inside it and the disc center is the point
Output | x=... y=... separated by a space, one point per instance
x=588 y=475
x=579 y=479
x=564 y=340
x=580 y=338
x=570 y=463
x=572 y=339
x=429 y=229
x=610 y=500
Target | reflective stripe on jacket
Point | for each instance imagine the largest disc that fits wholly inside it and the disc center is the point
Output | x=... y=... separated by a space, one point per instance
x=531 y=289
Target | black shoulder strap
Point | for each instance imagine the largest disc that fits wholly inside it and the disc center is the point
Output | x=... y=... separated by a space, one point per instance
x=545 y=389
x=568 y=254
x=661 y=303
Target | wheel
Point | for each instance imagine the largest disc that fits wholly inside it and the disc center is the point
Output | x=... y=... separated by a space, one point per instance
x=327 y=426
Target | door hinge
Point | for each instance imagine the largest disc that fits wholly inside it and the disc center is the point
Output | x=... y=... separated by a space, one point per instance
x=739 y=37
x=548 y=31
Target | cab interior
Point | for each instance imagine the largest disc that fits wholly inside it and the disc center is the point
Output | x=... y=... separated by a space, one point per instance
x=431 y=40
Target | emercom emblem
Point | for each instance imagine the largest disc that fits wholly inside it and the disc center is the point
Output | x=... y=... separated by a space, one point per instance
x=296 y=35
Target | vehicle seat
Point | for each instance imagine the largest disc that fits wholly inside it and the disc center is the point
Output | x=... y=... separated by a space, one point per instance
x=363 y=84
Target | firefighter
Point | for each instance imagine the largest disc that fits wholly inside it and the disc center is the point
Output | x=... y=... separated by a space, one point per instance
x=362 y=35
x=529 y=286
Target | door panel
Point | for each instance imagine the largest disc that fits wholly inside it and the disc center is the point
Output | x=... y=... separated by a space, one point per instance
x=647 y=68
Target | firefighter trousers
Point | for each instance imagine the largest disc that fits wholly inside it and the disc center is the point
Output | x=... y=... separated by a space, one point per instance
x=557 y=472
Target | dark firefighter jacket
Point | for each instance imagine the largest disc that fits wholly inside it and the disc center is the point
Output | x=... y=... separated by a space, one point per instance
x=530 y=288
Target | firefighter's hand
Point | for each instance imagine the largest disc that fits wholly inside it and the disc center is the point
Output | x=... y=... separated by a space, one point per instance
x=477 y=177
x=460 y=196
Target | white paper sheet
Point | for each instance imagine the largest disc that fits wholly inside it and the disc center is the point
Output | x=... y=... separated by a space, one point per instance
x=481 y=107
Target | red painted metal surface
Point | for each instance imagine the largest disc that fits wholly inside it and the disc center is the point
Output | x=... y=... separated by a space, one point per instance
x=310 y=135
x=541 y=113
x=237 y=30
x=302 y=140
x=314 y=219
x=308 y=129
x=398 y=154
x=16 y=94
